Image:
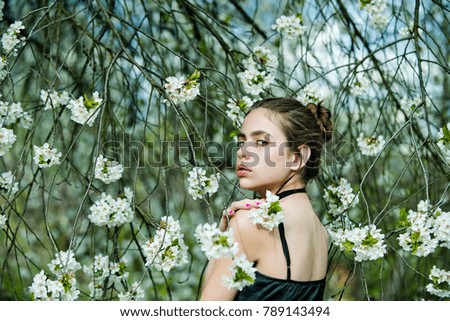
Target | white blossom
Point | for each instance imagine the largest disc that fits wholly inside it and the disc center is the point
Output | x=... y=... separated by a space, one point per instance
x=166 y=249
x=373 y=6
x=111 y=211
x=85 y=110
x=7 y=139
x=8 y=186
x=3 y=220
x=26 y=121
x=290 y=26
x=367 y=243
x=255 y=78
x=63 y=287
x=377 y=17
x=64 y=262
x=407 y=31
x=243 y=273
x=10 y=113
x=200 y=184
x=255 y=81
x=181 y=90
x=370 y=146
x=3 y=67
x=269 y=214
x=360 y=87
x=45 y=156
x=440 y=282
x=106 y=170
x=263 y=57
x=135 y=294
x=54 y=99
x=310 y=94
x=340 y=197
x=418 y=237
x=237 y=108
x=379 y=21
x=441 y=225
x=215 y=243
x=443 y=142
x=11 y=38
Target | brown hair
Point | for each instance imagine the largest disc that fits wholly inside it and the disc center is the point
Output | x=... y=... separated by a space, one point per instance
x=309 y=125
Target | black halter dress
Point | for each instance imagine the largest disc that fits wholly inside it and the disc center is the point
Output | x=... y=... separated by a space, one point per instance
x=267 y=288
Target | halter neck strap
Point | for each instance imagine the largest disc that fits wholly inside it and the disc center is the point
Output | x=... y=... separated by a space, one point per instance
x=290 y=192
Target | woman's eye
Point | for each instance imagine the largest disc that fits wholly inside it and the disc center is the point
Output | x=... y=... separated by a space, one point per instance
x=261 y=142
x=240 y=143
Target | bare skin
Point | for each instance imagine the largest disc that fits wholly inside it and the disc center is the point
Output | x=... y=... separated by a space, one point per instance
x=264 y=164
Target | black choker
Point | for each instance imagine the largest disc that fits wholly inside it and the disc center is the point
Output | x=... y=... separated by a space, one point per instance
x=291 y=191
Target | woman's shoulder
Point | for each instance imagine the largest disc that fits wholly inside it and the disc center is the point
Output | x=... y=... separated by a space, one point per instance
x=249 y=236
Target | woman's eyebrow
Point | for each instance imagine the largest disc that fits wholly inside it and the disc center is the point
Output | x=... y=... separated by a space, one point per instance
x=255 y=133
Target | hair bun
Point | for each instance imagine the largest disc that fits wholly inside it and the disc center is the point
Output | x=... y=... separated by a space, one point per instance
x=323 y=119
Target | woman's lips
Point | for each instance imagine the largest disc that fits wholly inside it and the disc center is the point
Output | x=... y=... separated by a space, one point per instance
x=242 y=171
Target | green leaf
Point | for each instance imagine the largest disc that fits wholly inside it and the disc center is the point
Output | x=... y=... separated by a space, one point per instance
x=195 y=75
x=241 y=275
x=274 y=208
x=90 y=103
x=348 y=245
x=369 y=240
x=403 y=222
x=446 y=138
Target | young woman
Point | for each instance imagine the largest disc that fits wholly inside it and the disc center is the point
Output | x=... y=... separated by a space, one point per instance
x=279 y=151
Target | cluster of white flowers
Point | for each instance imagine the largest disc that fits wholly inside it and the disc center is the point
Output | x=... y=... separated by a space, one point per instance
x=7 y=139
x=85 y=110
x=255 y=78
x=54 y=99
x=370 y=146
x=409 y=104
x=375 y=8
x=106 y=170
x=425 y=229
x=215 y=243
x=11 y=113
x=111 y=211
x=243 y=273
x=438 y=278
x=441 y=226
x=166 y=249
x=134 y=294
x=3 y=220
x=269 y=214
x=3 y=67
x=443 y=141
x=360 y=87
x=367 y=242
x=237 y=108
x=11 y=39
x=291 y=26
x=45 y=156
x=407 y=31
x=181 y=90
x=309 y=94
x=105 y=274
x=340 y=197
x=63 y=268
x=8 y=186
x=200 y=184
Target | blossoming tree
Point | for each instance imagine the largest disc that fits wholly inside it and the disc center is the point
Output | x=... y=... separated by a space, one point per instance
x=117 y=142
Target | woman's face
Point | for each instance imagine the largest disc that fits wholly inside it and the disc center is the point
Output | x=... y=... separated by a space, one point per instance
x=265 y=160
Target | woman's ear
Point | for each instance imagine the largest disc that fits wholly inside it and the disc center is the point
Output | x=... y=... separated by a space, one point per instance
x=301 y=157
